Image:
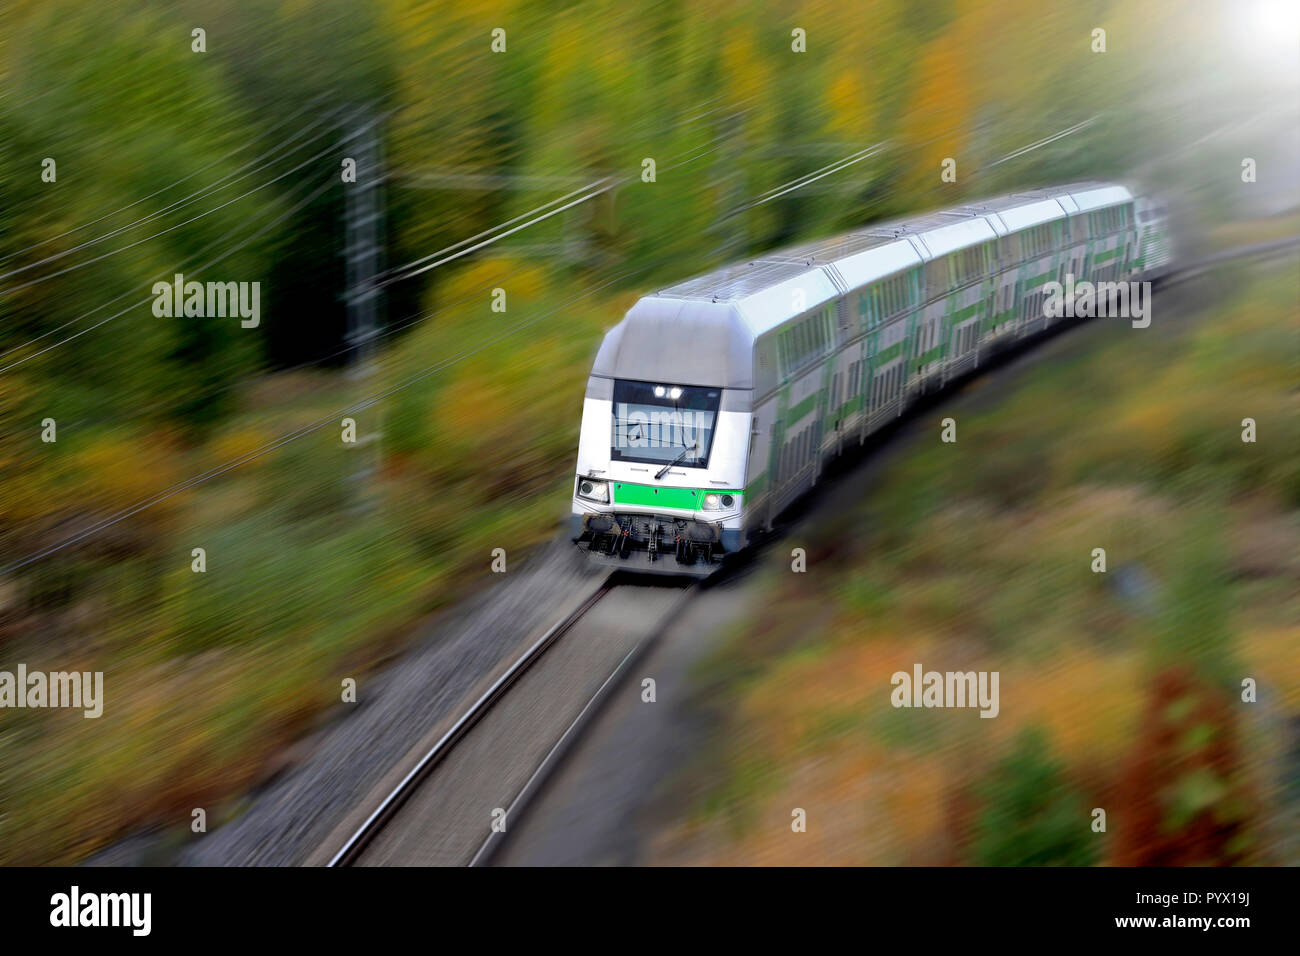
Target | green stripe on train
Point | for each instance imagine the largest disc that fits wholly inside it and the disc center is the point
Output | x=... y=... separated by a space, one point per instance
x=803 y=408
x=688 y=499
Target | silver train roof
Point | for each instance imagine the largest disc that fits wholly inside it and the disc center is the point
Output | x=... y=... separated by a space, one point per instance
x=702 y=331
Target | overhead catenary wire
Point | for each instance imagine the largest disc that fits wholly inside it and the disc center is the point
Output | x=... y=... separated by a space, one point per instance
x=162 y=232
x=211 y=262
x=172 y=185
x=297 y=433
x=390 y=329
x=394 y=273
x=181 y=267
x=495 y=233
x=185 y=264
x=799 y=183
x=1045 y=141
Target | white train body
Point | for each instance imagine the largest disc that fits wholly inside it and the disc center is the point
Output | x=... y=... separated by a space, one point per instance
x=717 y=402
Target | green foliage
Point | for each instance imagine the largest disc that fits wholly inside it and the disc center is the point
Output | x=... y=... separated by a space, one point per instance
x=1194 y=625
x=1031 y=816
x=476 y=453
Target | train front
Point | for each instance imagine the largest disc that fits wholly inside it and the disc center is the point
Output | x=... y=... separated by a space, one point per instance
x=661 y=459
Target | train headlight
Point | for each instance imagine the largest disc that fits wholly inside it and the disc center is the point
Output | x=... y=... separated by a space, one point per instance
x=718 y=502
x=593 y=490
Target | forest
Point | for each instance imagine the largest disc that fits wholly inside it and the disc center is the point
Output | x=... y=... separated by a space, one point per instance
x=210 y=139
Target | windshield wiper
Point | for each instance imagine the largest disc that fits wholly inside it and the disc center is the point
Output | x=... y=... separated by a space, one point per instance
x=664 y=470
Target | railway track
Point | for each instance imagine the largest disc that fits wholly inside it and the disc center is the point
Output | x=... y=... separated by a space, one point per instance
x=493 y=761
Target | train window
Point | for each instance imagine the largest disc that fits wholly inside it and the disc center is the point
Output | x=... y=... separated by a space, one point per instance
x=1037 y=240
x=975 y=262
x=659 y=423
x=936 y=277
x=891 y=296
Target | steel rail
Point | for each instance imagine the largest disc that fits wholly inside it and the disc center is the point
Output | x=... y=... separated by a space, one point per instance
x=375 y=823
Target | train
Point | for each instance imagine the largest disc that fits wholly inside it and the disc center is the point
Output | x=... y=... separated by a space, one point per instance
x=717 y=402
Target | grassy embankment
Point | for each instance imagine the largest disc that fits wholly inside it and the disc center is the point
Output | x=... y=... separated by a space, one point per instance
x=209 y=677
x=1119 y=690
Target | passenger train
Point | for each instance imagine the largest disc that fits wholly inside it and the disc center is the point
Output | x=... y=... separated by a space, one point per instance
x=716 y=402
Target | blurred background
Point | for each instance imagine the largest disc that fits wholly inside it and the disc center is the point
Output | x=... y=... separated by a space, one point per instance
x=172 y=434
